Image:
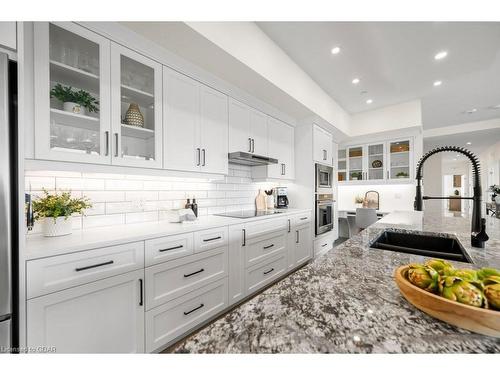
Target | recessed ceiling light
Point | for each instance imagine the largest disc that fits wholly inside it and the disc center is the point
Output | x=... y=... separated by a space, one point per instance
x=355 y=81
x=369 y=101
x=471 y=111
x=437 y=83
x=440 y=55
x=468 y=143
x=335 y=50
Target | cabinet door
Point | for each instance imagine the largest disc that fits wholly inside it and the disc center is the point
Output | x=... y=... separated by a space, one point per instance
x=281 y=144
x=8 y=34
x=375 y=154
x=181 y=122
x=213 y=130
x=355 y=156
x=106 y=316
x=400 y=156
x=239 y=127
x=303 y=244
x=136 y=112
x=258 y=132
x=73 y=57
x=341 y=165
x=237 y=243
x=322 y=146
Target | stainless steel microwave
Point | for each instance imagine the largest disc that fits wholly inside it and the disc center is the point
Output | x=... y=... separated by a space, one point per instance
x=324 y=178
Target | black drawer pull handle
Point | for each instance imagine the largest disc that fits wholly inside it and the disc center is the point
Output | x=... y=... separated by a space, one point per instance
x=171 y=248
x=141 y=300
x=324 y=245
x=93 y=266
x=212 y=239
x=194 y=273
x=303 y=218
x=193 y=310
x=271 y=270
x=268 y=247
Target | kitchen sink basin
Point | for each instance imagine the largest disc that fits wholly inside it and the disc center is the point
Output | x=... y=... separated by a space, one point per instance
x=422 y=244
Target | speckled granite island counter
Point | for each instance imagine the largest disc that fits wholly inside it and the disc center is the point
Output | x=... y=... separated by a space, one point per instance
x=347 y=302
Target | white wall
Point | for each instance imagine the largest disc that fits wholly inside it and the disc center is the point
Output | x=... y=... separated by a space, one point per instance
x=404 y=115
x=490 y=167
x=433 y=182
x=391 y=197
x=126 y=199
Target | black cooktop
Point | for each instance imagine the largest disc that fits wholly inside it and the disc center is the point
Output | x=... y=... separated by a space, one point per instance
x=246 y=214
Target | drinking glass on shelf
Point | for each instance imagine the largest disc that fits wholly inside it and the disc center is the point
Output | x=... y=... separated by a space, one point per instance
x=83 y=61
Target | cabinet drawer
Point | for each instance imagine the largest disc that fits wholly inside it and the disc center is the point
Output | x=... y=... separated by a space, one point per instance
x=170 y=280
x=210 y=239
x=323 y=244
x=264 y=247
x=254 y=231
x=260 y=275
x=301 y=219
x=167 y=248
x=167 y=322
x=60 y=272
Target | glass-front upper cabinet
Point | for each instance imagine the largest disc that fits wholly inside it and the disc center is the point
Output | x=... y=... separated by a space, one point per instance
x=72 y=114
x=399 y=163
x=136 y=83
x=341 y=165
x=376 y=162
x=355 y=163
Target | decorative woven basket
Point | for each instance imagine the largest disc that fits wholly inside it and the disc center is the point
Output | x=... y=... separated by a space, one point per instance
x=134 y=116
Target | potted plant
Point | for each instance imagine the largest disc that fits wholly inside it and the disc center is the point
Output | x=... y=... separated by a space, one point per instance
x=55 y=211
x=75 y=101
x=495 y=196
x=358 y=201
x=402 y=175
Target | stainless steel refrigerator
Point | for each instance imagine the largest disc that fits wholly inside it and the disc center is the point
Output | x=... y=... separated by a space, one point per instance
x=8 y=204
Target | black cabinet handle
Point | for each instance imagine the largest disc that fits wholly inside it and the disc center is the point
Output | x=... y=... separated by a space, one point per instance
x=266 y=272
x=198 y=157
x=268 y=247
x=289 y=226
x=141 y=300
x=249 y=144
x=194 y=273
x=297 y=240
x=253 y=145
x=93 y=266
x=106 y=134
x=244 y=237
x=193 y=310
x=171 y=248
x=116 y=145
x=203 y=152
x=324 y=245
x=303 y=218
x=212 y=239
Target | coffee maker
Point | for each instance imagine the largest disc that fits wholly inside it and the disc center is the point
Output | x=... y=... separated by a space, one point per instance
x=280 y=197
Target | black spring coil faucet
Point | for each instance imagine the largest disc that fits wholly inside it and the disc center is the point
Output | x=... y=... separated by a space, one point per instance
x=478 y=225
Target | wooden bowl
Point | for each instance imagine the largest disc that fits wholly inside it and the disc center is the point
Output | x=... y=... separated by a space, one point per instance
x=475 y=319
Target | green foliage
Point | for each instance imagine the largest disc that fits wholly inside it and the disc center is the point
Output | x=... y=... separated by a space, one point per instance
x=58 y=205
x=82 y=97
x=495 y=189
x=402 y=174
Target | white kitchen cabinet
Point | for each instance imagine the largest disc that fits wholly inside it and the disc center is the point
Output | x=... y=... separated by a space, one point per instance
x=73 y=56
x=105 y=316
x=379 y=162
x=247 y=129
x=8 y=35
x=136 y=109
x=322 y=146
x=281 y=147
x=236 y=266
x=303 y=243
x=195 y=125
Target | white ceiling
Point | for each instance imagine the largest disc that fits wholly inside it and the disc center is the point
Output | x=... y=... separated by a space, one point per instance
x=395 y=62
x=480 y=141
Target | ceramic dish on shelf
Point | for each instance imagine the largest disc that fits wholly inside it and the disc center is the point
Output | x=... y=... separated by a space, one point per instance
x=377 y=164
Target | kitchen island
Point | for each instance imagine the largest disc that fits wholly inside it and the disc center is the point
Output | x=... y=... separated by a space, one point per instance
x=346 y=301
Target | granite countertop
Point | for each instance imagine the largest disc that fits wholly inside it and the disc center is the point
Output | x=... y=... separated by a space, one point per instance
x=346 y=301
x=38 y=246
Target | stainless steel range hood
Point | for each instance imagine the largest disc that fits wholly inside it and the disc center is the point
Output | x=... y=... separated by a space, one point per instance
x=245 y=158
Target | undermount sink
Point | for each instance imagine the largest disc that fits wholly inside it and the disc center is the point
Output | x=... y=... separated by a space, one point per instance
x=422 y=244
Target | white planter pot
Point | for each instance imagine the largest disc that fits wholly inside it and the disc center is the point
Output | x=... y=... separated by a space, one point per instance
x=60 y=226
x=75 y=108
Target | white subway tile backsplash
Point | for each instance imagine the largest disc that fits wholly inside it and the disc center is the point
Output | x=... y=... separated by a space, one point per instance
x=120 y=199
